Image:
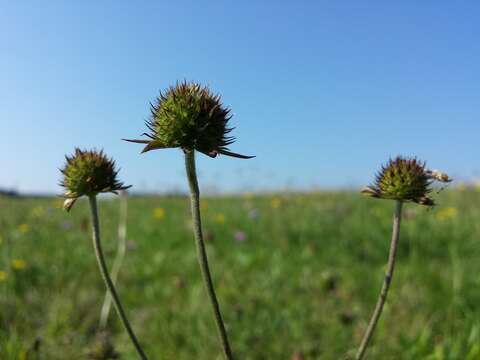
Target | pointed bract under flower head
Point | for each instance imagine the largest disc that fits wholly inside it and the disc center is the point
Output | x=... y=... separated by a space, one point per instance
x=405 y=179
x=190 y=117
x=88 y=173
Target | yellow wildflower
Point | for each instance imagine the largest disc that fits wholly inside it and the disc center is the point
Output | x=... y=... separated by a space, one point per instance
x=23 y=228
x=447 y=213
x=220 y=218
x=3 y=275
x=301 y=200
x=38 y=211
x=19 y=264
x=22 y=355
x=276 y=203
x=159 y=213
x=378 y=211
x=477 y=185
x=248 y=196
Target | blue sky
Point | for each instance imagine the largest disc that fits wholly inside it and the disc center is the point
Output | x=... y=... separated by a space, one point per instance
x=322 y=92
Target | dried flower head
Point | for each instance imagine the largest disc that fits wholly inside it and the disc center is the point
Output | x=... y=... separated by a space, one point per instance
x=190 y=117
x=439 y=176
x=405 y=179
x=88 y=173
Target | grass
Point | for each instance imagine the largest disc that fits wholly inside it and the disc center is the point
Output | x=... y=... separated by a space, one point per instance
x=304 y=281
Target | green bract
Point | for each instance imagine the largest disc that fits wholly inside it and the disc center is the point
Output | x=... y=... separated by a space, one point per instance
x=190 y=117
x=88 y=173
x=404 y=179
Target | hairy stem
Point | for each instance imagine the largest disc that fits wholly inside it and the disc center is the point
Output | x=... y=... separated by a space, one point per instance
x=386 y=282
x=201 y=252
x=106 y=277
x=117 y=263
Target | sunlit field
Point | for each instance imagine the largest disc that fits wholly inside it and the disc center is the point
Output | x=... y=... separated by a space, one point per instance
x=297 y=276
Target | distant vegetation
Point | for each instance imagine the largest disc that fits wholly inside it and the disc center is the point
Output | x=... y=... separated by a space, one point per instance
x=7 y=192
x=297 y=274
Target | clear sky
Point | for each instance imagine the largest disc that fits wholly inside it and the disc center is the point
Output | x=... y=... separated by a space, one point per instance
x=322 y=92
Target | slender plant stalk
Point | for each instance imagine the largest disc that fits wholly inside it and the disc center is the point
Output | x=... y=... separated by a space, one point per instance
x=386 y=282
x=8 y=263
x=106 y=277
x=117 y=263
x=201 y=252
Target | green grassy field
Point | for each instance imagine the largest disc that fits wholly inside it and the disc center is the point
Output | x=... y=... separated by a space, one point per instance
x=297 y=276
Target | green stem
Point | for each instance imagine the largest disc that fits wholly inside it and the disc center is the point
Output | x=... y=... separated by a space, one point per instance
x=106 y=277
x=386 y=282
x=201 y=252
x=8 y=266
x=117 y=263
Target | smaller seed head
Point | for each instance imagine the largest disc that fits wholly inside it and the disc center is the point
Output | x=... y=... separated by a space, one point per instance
x=405 y=179
x=88 y=173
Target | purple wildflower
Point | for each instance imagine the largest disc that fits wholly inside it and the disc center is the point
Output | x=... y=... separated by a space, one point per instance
x=131 y=245
x=240 y=236
x=67 y=225
x=253 y=214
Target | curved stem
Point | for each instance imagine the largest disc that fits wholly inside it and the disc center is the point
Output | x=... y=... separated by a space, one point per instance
x=201 y=252
x=386 y=282
x=117 y=263
x=106 y=277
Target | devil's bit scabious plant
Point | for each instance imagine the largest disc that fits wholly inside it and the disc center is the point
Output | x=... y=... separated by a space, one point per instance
x=190 y=117
x=402 y=180
x=88 y=173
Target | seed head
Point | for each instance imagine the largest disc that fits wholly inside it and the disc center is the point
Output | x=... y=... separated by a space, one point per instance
x=405 y=179
x=190 y=117
x=88 y=173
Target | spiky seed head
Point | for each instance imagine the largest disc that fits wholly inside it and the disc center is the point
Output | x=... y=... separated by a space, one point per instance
x=404 y=179
x=88 y=173
x=189 y=116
